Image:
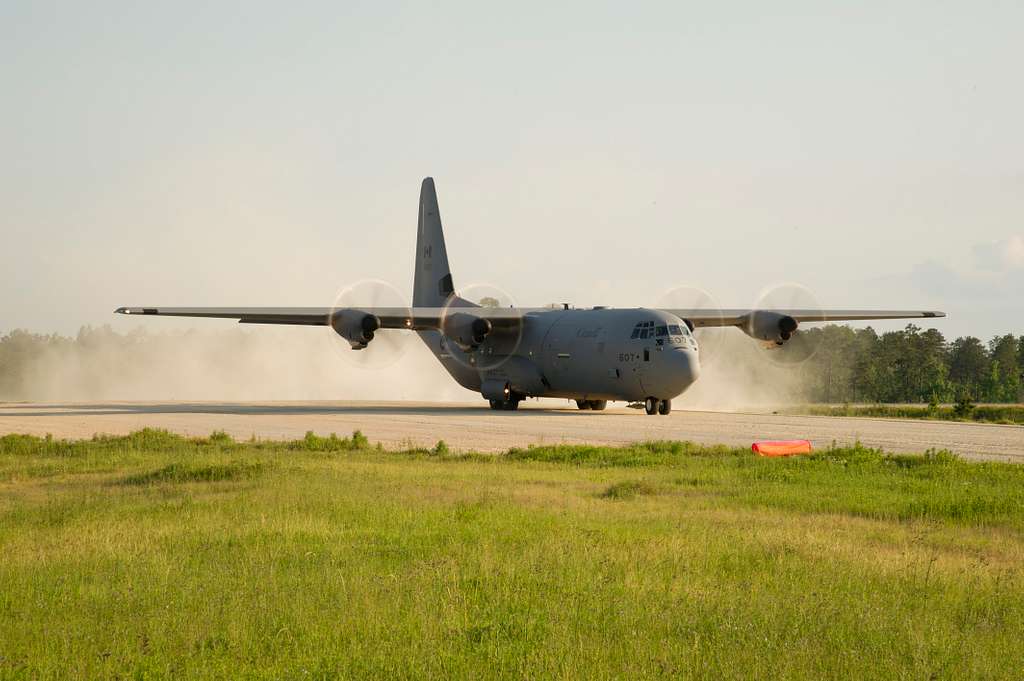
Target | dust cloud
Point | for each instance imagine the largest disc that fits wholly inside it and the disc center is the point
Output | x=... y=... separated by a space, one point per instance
x=738 y=373
x=312 y=363
x=235 y=364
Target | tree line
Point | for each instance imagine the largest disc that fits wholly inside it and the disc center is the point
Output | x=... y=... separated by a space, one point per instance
x=913 y=365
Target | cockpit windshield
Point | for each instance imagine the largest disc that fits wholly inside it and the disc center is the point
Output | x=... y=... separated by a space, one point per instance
x=650 y=329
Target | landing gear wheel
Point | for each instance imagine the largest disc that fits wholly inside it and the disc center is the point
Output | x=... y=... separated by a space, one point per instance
x=651 y=406
x=598 y=405
x=511 y=404
x=665 y=407
x=583 y=404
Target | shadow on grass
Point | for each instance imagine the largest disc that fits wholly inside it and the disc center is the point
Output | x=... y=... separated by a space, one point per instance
x=182 y=473
x=629 y=489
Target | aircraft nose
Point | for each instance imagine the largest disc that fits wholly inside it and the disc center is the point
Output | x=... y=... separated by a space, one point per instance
x=686 y=364
x=680 y=369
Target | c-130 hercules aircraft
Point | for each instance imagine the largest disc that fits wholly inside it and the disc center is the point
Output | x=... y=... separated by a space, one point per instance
x=508 y=354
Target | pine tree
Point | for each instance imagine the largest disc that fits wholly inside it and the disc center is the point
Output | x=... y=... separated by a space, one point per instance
x=1003 y=350
x=969 y=365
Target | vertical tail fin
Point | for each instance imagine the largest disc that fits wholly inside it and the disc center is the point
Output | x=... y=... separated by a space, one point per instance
x=432 y=285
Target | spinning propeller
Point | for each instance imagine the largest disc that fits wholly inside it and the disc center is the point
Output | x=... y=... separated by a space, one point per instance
x=709 y=338
x=479 y=343
x=789 y=347
x=381 y=347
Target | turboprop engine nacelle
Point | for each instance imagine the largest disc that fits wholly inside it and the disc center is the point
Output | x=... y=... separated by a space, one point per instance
x=466 y=330
x=769 y=326
x=356 y=327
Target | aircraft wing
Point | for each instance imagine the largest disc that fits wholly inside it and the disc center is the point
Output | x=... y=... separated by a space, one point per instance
x=420 y=318
x=739 y=317
x=390 y=317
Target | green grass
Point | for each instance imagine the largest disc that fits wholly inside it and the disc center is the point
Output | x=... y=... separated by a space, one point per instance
x=629 y=489
x=157 y=556
x=1010 y=414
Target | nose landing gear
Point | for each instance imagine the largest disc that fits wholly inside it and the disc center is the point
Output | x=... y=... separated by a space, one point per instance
x=652 y=405
x=596 y=405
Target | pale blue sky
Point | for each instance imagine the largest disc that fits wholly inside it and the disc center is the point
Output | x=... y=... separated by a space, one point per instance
x=269 y=154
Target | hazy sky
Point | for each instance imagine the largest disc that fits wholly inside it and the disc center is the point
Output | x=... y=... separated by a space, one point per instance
x=271 y=153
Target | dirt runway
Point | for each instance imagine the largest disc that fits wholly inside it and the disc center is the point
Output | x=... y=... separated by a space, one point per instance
x=474 y=426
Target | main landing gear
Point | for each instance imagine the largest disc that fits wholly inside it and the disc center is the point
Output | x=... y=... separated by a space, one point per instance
x=596 y=405
x=511 y=404
x=652 y=405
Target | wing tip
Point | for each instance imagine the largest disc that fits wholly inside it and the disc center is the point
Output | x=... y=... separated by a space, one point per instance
x=136 y=310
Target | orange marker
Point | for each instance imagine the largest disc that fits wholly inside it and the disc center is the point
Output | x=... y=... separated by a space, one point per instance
x=781 y=447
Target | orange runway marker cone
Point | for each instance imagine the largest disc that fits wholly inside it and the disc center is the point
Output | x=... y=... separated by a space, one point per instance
x=781 y=447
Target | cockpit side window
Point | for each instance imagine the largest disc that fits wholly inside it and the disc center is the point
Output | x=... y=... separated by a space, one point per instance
x=675 y=330
x=662 y=331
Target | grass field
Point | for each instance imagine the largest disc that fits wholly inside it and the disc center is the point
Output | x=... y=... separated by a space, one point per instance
x=1011 y=414
x=154 y=556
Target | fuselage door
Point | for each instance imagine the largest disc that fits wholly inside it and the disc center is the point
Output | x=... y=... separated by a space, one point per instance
x=558 y=349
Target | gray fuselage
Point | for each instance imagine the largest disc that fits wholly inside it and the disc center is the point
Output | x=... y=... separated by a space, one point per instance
x=595 y=354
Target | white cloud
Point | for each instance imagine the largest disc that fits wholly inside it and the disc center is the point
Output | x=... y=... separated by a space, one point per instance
x=999 y=256
x=1013 y=255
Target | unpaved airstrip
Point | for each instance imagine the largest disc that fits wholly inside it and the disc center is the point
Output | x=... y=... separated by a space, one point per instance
x=474 y=426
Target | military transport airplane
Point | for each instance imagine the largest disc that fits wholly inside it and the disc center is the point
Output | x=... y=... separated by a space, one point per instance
x=507 y=354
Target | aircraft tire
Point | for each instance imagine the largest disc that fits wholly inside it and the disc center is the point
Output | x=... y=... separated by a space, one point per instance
x=583 y=404
x=665 y=407
x=598 y=405
x=651 y=406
